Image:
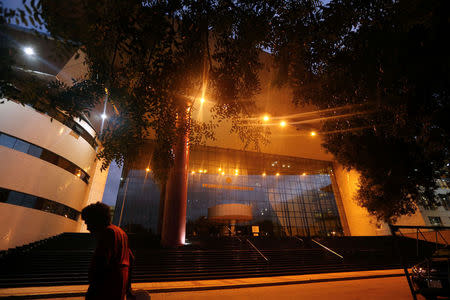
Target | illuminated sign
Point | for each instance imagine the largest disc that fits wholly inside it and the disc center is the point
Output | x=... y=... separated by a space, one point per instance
x=227 y=187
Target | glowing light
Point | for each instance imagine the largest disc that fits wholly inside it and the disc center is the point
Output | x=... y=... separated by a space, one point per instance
x=106 y=90
x=28 y=51
x=220 y=169
x=283 y=123
x=200 y=171
x=202 y=100
x=147 y=170
x=236 y=172
x=205 y=171
x=264 y=174
x=104 y=116
x=78 y=174
x=193 y=172
x=266 y=118
x=313 y=133
x=303 y=174
x=223 y=173
x=278 y=174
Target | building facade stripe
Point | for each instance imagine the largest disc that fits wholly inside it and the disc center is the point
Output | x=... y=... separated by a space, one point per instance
x=38 y=203
x=17 y=144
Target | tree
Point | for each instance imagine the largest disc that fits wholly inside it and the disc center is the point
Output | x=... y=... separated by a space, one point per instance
x=382 y=69
x=155 y=59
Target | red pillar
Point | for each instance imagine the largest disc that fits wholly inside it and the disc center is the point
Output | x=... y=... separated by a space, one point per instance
x=174 y=220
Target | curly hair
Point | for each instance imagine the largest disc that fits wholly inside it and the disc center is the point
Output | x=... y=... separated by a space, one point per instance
x=97 y=213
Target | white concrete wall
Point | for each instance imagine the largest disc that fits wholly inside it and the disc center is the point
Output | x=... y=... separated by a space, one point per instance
x=32 y=126
x=21 y=225
x=31 y=175
x=95 y=189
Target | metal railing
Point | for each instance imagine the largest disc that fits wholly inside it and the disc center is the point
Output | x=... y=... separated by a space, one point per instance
x=326 y=248
x=395 y=229
x=251 y=244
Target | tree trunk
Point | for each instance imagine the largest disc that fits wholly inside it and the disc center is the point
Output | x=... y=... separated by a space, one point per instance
x=174 y=221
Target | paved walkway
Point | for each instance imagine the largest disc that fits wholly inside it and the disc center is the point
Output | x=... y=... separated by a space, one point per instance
x=365 y=285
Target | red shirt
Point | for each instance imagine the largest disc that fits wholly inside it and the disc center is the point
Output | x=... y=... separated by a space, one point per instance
x=108 y=273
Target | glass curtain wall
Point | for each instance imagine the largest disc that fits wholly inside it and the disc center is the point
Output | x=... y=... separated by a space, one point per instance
x=288 y=196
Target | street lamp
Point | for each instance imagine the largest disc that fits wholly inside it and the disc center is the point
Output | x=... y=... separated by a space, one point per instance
x=28 y=51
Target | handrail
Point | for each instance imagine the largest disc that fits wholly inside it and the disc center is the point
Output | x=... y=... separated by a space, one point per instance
x=257 y=250
x=301 y=240
x=249 y=243
x=326 y=248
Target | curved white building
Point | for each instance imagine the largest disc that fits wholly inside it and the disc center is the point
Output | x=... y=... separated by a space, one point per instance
x=49 y=173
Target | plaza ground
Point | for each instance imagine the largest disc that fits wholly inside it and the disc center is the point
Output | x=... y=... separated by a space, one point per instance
x=366 y=285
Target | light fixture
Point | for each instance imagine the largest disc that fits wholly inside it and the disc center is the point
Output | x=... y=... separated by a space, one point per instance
x=220 y=169
x=202 y=100
x=278 y=174
x=266 y=118
x=200 y=171
x=313 y=133
x=205 y=171
x=264 y=174
x=104 y=116
x=236 y=172
x=193 y=172
x=28 y=51
x=147 y=170
x=223 y=173
x=283 y=123
x=303 y=174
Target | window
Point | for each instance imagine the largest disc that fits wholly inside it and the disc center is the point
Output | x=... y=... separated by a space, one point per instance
x=34 y=202
x=435 y=221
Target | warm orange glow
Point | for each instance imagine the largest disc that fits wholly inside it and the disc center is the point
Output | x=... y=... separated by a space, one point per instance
x=200 y=171
x=236 y=172
x=283 y=123
x=266 y=118
x=223 y=173
x=264 y=174
x=220 y=169
x=193 y=172
x=313 y=133
x=303 y=174
x=278 y=174
x=202 y=100
x=78 y=174
x=147 y=170
x=205 y=171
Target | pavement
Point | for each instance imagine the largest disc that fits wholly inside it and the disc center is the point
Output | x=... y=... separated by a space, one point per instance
x=364 y=285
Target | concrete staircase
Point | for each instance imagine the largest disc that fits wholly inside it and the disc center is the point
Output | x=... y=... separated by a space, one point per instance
x=64 y=260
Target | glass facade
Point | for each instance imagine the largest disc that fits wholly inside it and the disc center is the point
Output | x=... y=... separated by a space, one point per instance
x=287 y=195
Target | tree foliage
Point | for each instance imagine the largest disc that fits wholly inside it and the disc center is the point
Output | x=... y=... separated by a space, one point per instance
x=384 y=66
x=156 y=56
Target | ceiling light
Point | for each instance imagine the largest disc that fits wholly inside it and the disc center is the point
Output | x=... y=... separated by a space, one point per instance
x=283 y=123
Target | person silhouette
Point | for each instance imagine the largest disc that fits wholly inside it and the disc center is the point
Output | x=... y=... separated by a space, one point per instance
x=109 y=269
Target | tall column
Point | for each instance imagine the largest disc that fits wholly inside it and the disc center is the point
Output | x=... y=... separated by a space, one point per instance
x=174 y=221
